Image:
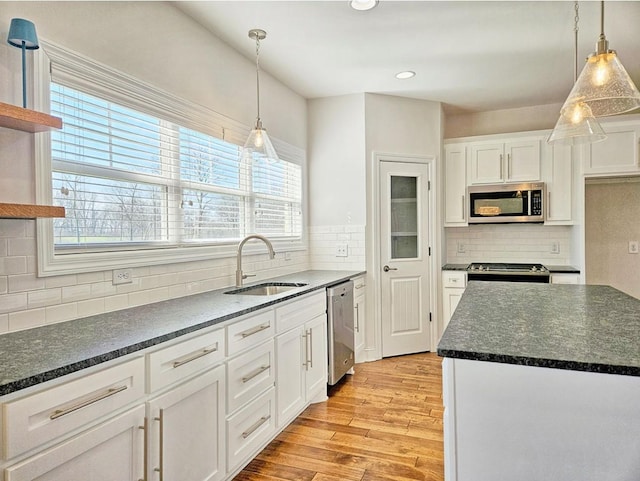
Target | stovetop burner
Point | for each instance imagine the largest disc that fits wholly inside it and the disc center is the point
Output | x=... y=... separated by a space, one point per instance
x=507 y=268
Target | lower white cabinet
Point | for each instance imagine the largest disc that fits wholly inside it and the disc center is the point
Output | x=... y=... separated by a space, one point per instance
x=453 y=286
x=109 y=451
x=565 y=279
x=301 y=360
x=359 y=317
x=186 y=430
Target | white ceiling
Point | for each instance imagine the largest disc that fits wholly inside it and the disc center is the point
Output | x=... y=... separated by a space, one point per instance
x=470 y=55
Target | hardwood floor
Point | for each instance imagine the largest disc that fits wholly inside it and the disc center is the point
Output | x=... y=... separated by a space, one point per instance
x=383 y=423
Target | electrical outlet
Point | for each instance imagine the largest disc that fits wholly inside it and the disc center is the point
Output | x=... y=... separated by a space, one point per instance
x=342 y=250
x=633 y=247
x=122 y=276
x=555 y=247
x=287 y=256
x=461 y=247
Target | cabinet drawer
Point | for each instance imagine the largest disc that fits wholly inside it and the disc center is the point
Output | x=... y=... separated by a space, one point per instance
x=454 y=279
x=249 y=374
x=178 y=361
x=250 y=332
x=250 y=428
x=300 y=311
x=48 y=414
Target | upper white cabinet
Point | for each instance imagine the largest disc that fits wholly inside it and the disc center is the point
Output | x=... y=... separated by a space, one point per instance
x=559 y=183
x=617 y=154
x=512 y=161
x=455 y=185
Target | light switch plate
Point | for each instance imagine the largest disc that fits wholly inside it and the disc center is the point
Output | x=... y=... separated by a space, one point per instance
x=555 y=247
x=633 y=247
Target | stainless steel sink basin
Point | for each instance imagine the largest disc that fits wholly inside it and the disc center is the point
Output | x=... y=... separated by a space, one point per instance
x=266 y=288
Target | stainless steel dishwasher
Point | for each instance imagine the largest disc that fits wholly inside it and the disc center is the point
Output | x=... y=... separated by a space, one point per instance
x=341 y=335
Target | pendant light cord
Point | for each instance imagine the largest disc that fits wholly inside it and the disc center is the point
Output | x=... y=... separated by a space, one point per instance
x=258 y=76
x=602 y=18
x=575 y=34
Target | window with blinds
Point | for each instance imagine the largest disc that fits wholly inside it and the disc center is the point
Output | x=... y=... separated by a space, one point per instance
x=130 y=179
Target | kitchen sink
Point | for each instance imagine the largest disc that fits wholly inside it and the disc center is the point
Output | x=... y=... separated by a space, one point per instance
x=266 y=288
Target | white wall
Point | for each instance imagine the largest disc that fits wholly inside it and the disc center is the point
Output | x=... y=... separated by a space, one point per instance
x=158 y=44
x=540 y=117
x=337 y=181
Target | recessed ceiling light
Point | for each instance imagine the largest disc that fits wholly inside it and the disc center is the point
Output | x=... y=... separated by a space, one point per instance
x=405 y=75
x=363 y=5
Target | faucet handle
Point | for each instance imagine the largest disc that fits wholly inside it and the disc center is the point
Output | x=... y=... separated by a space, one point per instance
x=244 y=276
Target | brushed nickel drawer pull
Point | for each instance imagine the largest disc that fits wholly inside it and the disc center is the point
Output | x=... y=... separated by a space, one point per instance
x=255 y=330
x=360 y=286
x=197 y=355
x=108 y=393
x=255 y=373
x=160 y=468
x=255 y=427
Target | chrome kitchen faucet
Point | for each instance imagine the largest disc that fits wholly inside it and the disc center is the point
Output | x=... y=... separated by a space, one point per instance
x=239 y=275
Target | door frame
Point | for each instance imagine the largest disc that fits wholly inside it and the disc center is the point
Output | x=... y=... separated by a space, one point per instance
x=374 y=265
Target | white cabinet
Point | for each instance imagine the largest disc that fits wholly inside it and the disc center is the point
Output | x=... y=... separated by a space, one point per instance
x=513 y=161
x=186 y=430
x=618 y=153
x=559 y=184
x=453 y=286
x=557 y=278
x=359 y=316
x=301 y=356
x=455 y=185
x=109 y=451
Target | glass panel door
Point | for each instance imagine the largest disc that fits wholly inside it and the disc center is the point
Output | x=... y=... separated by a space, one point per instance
x=404 y=217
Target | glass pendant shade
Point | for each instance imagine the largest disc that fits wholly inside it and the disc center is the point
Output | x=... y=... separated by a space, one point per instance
x=258 y=145
x=605 y=86
x=576 y=126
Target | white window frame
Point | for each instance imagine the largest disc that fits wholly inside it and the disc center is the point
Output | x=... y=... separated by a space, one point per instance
x=199 y=118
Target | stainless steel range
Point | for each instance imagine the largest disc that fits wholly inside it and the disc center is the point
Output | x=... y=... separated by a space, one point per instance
x=508 y=272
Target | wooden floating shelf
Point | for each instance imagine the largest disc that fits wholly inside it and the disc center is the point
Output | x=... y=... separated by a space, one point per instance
x=17 y=118
x=29 y=211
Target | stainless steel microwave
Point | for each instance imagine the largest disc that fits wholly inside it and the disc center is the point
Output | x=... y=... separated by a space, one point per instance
x=506 y=203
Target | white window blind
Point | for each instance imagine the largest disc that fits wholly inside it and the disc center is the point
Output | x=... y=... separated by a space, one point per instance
x=131 y=179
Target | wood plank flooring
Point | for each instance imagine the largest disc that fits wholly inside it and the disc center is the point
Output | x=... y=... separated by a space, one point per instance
x=382 y=424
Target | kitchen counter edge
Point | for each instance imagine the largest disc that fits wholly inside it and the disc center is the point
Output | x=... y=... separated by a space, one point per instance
x=118 y=333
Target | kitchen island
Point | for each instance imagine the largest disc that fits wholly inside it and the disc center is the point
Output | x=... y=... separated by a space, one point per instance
x=542 y=382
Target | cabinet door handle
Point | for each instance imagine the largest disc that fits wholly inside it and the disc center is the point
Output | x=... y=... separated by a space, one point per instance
x=195 y=356
x=463 y=206
x=310 y=350
x=145 y=449
x=508 y=166
x=305 y=364
x=160 y=468
x=255 y=427
x=357 y=318
x=548 y=205
x=501 y=168
x=255 y=373
x=103 y=395
x=254 y=330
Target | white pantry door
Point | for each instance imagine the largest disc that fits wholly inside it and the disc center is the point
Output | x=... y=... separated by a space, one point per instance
x=404 y=257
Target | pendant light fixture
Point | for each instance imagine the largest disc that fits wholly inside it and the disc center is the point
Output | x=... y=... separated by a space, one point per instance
x=576 y=124
x=604 y=85
x=258 y=145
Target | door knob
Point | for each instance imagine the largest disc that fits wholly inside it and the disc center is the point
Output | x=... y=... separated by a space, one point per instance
x=387 y=269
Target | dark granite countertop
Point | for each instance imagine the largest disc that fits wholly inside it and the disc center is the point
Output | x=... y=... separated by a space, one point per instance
x=455 y=267
x=563 y=269
x=37 y=355
x=575 y=327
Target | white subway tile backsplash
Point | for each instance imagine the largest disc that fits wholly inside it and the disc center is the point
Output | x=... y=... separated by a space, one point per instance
x=25 y=282
x=26 y=319
x=28 y=301
x=61 y=312
x=44 y=297
x=79 y=292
